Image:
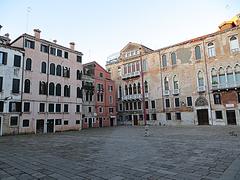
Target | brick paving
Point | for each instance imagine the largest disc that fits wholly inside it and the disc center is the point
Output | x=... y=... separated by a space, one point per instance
x=189 y=152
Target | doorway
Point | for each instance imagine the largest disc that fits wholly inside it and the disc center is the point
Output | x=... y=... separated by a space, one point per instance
x=89 y=122
x=231 y=117
x=0 y=126
x=100 y=122
x=111 y=121
x=202 y=115
x=50 y=126
x=40 y=126
x=135 y=120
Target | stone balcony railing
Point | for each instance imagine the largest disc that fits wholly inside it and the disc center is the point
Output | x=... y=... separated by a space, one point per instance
x=134 y=97
x=225 y=86
x=201 y=89
x=131 y=75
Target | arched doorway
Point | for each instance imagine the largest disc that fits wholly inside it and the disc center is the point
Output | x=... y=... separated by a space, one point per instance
x=201 y=105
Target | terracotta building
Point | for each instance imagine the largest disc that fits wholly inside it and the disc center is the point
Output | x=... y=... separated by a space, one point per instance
x=193 y=82
x=104 y=94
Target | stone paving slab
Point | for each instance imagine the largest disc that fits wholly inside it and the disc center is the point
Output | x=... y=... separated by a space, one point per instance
x=182 y=153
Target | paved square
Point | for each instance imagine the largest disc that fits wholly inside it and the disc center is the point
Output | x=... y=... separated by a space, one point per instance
x=192 y=152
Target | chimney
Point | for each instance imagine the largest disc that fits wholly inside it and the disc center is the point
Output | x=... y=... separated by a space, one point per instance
x=55 y=41
x=37 y=33
x=72 y=45
x=8 y=40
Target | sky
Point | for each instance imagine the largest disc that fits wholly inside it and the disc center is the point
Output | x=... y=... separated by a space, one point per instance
x=100 y=28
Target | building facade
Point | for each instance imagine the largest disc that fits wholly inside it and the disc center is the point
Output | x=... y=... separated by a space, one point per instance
x=192 y=82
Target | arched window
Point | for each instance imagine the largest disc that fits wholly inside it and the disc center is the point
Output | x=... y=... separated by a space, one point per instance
x=175 y=82
x=146 y=87
x=214 y=77
x=28 y=64
x=59 y=70
x=44 y=67
x=211 y=50
x=119 y=92
x=134 y=89
x=234 y=45
x=58 y=90
x=197 y=52
x=79 y=94
x=230 y=78
x=42 y=87
x=67 y=91
x=173 y=58
x=139 y=88
x=200 y=79
x=126 y=90
x=51 y=89
x=130 y=89
x=27 y=86
x=166 y=84
x=87 y=96
x=237 y=74
x=222 y=79
x=164 y=60
x=52 y=69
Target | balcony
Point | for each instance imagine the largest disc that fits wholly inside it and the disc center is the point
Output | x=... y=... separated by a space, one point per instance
x=201 y=89
x=175 y=91
x=132 y=97
x=131 y=75
x=166 y=92
x=225 y=86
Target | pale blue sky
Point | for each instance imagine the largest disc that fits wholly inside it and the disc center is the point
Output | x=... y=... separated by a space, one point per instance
x=102 y=27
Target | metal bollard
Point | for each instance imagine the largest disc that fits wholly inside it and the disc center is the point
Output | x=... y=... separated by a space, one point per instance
x=146 y=134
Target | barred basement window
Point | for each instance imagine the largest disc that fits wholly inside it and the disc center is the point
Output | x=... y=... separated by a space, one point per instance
x=65 y=122
x=58 y=121
x=14 y=121
x=178 y=116
x=77 y=121
x=218 y=114
x=25 y=123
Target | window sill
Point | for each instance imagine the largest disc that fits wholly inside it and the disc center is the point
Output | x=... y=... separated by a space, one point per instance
x=29 y=112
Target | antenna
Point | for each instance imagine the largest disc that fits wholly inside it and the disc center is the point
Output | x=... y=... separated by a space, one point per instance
x=28 y=11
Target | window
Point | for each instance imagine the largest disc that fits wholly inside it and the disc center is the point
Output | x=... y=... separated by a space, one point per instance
x=59 y=53
x=154 y=117
x=222 y=78
x=50 y=107
x=130 y=89
x=167 y=103
x=44 y=48
x=135 y=105
x=175 y=82
x=119 y=92
x=197 y=52
x=230 y=78
x=28 y=64
x=89 y=109
x=15 y=85
x=147 y=117
x=53 y=51
x=133 y=67
x=14 y=121
x=218 y=114
x=153 y=104
x=77 y=108
x=120 y=107
x=25 y=123
x=110 y=88
x=52 y=69
x=164 y=60
x=139 y=105
x=79 y=59
x=238 y=93
x=42 y=107
x=126 y=107
x=168 y=116
x=1 y=106
x=178 y=116
x=100 y=109
x=234 y=45
x=59 y=70
x=1 y=83
x=27 y=86
x=26 y=107
x=15 y=106
x=126 y=90
x=3 y=58
x=139 y=88
x=146 y=87
x=217 y=99
x=166 y=85
x=66 y=72
x=58 y=107
x=189 y=101
x=79 y=75
x=29 y=44
x=200 y=79
x=110 y=100
x=58 y=121
x=58 y=90
x=17 y=61
x=77 y=121
x=66 y=55
x=110 y=110
x=177 y=104
x=134 y=89
x=51 y=89
x=101 y=75
x=42 y=87
x=130 y=106
x=65 y=107
x=44 y=68
x=146 y=104
x=144 y=65
x=65 y=122
x=67 y=91
x=79 y=92
x=173 y=58
x=237 y=74
x=214 y=77
x=211 y=50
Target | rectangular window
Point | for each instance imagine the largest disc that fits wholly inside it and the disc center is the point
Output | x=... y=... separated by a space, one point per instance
x=17 y=61
x=53 y=51
x=14 y=121
x=42 y=107
x=15 y=106
x=147 y=117
x=65 y=122
x=101 y=75
x=65 y=107
x=167 y=103
x=145 y=65
x=77 y=121
x=50 y=107
x=15 y=85
x=26 y=107
x=146 y=104
x=126 y=106
x=25 y=123
x=77 y=108
x=1 y=106
x=58 y=121
x=59 y=53
x=139 y=105
x=1 y=83
x=217 y=99
x=110 y=100
x=79 y=59
x=154 y=116
x=237 y=93
x=3 y=58
x=168 y=116
x=58 y=107
x=177 y=102
x=89 y=109
x=44 y=48
x=66 y=72
x=110 y=110
x=178 y=116
x=130 y=106
x=29 y=44
x=66 y=55
x=153 y=104
x=189 y=101
x=135 y=105
x=218 y=114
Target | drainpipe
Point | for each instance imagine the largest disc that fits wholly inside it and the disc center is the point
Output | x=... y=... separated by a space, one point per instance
x=46 y=114
x=208 y=88
x=161 y=81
